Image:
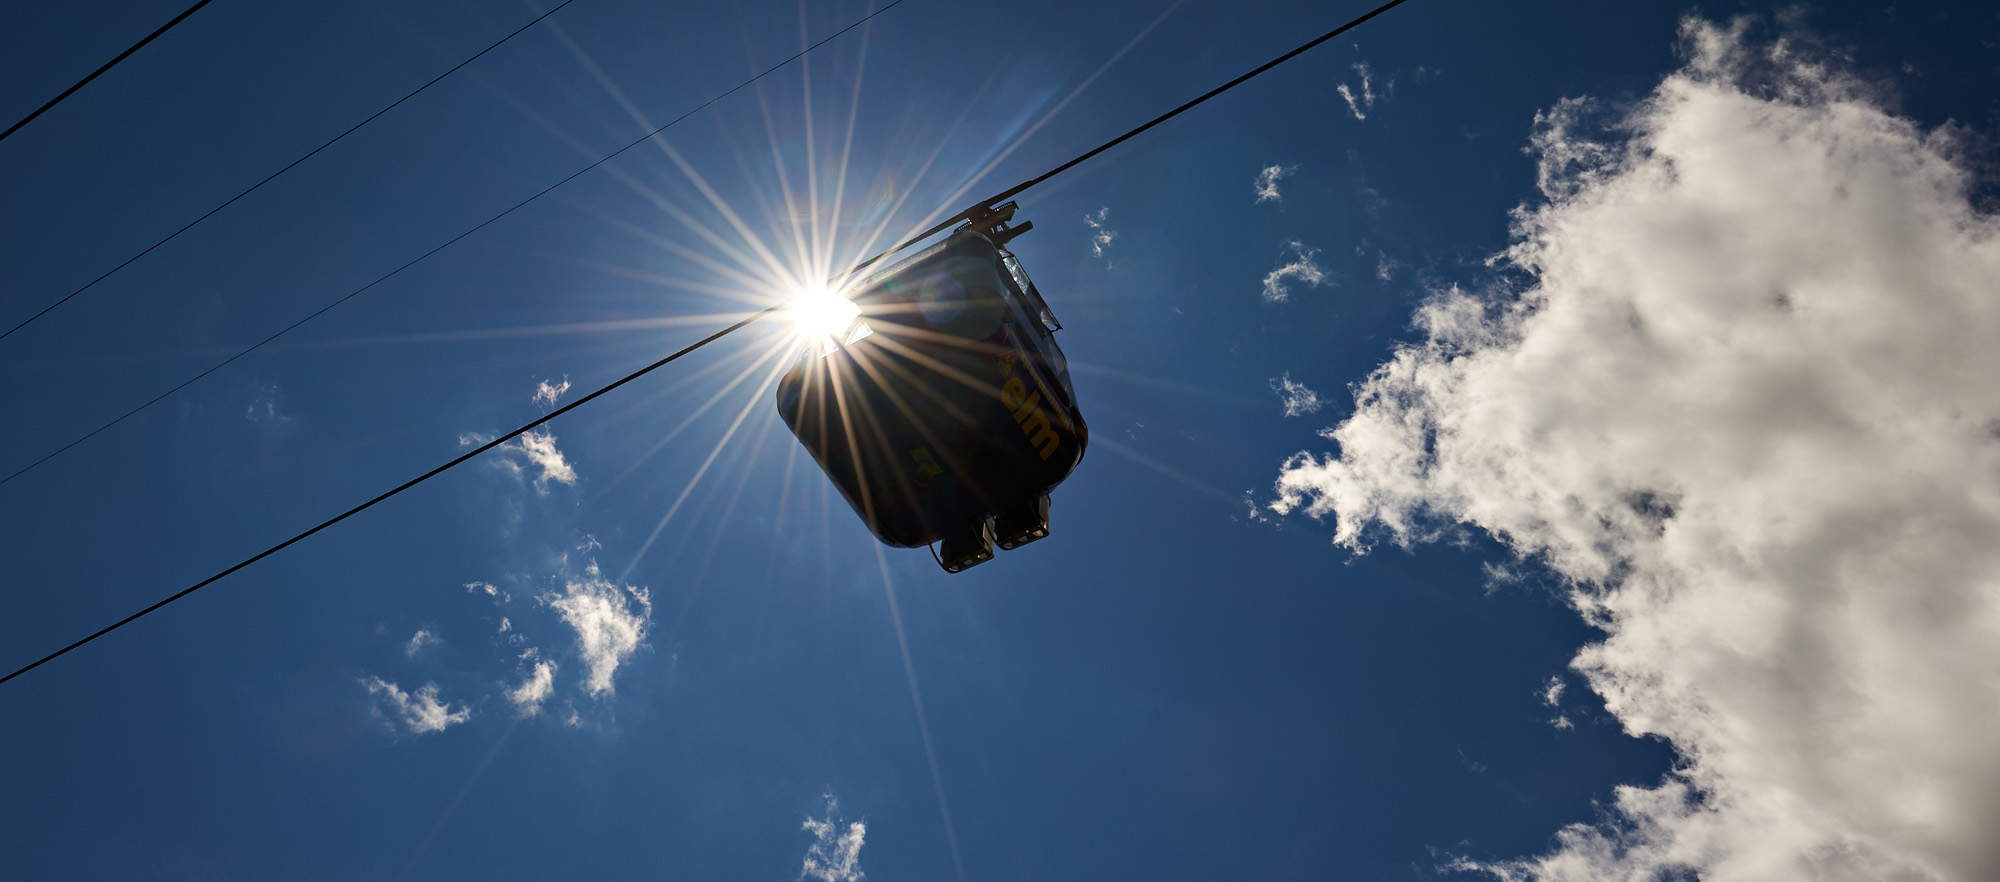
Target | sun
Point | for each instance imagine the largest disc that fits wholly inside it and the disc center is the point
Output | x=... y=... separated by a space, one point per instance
x=820 y=315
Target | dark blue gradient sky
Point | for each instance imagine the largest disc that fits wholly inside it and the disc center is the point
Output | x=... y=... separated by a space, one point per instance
x=1167 y=688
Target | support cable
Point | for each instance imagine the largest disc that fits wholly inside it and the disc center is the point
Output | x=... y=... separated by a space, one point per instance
x=1017 y=189
x=496 y=442
x=448 y=243
x=398 y=489
x=274 y=175
x=107 y=66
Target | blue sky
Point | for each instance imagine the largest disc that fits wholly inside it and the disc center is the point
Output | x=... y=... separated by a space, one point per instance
x=1227 y=661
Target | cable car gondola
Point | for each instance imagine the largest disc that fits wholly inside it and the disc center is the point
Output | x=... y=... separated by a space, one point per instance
x=944 y=411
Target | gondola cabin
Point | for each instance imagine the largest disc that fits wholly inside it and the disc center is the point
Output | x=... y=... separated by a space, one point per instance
x=944 y=412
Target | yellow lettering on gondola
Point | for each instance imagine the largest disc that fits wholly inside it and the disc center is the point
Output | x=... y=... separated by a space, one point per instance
x=1027 y=407
x=1035 y=435
x=927 y=466
x=1012 y=393
x=1015 y=396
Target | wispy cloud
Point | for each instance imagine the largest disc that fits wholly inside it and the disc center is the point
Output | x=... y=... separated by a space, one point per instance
x=1298 y=267
x=1256 y=512
x=1267 y=182
x=835 y=853
x=1472 y=765
x=528 y=696
x=533 y=457
x=419 y=640
x=1100 y=236
x=546 y=393
x=1296 y=398
x=611 y=623
x=1365 y=99
x=489 y=589
x=420 y=711
x=1742 y=407
x=1359 y=103
x=1552 y=693
x=263 y=407
x=539 y=447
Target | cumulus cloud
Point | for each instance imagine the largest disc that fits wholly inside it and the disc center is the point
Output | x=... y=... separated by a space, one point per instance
x=528 y=696
x=1743 y=407
x=1267 y=182
x=611 y=622
x=1359 y=103
x=835 y=854
x=1100 y=235
x=420 y=711
x=419 y=640
x=1298 y=267
x=546 y=392
x=1296 y=398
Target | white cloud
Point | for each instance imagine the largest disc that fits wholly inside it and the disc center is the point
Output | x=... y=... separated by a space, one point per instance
x=505 y=625
x=528 y=696
x=1359 y=104
x=835 y=854
x=420 y=711
x=263 y=407
x=1267 y=182
x=546 y=393
x=1100 y=236
x=540 y=450
x=419 y=640
x=1256 y=512
x=490 y=589
x=1471 y=765
x=1744 y=408
x=1301 y=268
x=1385 y=266
x=1295 y=396
x=1552 y=693
x=610 y=621
x=537 y=449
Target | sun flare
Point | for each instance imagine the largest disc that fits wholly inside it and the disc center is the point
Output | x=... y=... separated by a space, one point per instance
x=820 y=315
